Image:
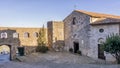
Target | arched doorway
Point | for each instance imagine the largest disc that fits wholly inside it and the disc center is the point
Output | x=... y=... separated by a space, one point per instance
x=100 y=49
x=5 y=53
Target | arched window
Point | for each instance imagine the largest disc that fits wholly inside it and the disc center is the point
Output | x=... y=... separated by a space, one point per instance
x=15 y=35
x=4 y=35
x=35 y=34
x=100 y=40
x=26 y=35
x=73 y=21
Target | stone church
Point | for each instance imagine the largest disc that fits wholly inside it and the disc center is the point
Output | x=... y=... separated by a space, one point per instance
x=80 y=30
x=85 y=31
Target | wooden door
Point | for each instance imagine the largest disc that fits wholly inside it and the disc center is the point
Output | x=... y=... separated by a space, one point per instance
x=100 y=52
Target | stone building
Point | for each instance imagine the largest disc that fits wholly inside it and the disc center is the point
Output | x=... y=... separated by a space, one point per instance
x=10 y=42
x=15 y=37
x=81 y=30
x=85 y=31
x=55 y=34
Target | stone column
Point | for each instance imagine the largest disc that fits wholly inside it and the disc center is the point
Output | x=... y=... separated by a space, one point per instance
x=13 y=52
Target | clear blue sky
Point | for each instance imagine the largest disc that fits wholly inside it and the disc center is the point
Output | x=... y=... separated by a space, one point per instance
x=35 y=13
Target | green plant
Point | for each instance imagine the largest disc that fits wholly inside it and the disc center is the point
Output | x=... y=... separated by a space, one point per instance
x=42 y=41
x=41 y=37
x=71 y=50
x=42 y=49
x=112 y=45
x=79 y=52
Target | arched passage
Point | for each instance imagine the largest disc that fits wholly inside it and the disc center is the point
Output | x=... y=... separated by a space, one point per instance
x=10 y=41
x=5 y=53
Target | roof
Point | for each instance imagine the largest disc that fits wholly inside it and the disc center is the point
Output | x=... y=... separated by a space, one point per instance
x=94 y=14
x=104 y=23
x=107 y=21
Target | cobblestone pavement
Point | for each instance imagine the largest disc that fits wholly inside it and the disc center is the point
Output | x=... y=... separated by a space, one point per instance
x=53 y=65
x=56 y=60
x=4 y=58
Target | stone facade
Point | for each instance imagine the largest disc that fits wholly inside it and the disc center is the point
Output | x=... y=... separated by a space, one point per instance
x=13 y=43
x=97 y=37
x=55 y=34
x=27 y=38
x=83 y=28
x=77 y=32
x=24 y=40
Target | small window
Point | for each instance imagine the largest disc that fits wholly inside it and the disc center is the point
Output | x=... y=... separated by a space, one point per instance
x=15 y=35
x=4 y=35
x=73 y=22
x=35 y=34
x=26 y=35
x=101 y=30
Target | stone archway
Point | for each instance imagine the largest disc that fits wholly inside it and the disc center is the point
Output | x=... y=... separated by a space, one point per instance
x=5 y=53
x=10 y=41
x=13 y=49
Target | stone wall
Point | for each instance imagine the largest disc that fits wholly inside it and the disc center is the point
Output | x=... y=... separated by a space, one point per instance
x=77 y=32
x=85 y=29
x=95 y=36
x=109 y=26
x=55 y=33
x=27 y=41
x=50 y=33
x=13 y=43
x=29 y=49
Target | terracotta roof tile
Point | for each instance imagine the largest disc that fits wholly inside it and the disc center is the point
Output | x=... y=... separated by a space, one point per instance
x=94 y=14
x=106 y=21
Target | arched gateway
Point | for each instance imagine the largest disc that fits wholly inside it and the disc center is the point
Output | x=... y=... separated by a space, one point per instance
x=8 y=43
x=5 y=52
